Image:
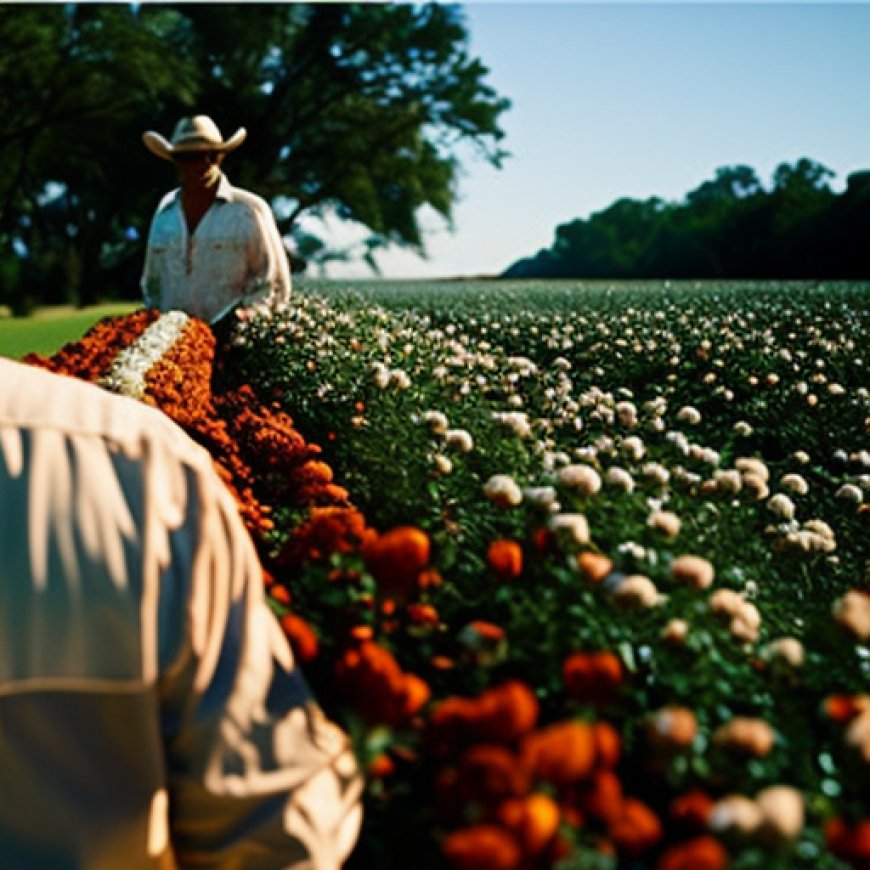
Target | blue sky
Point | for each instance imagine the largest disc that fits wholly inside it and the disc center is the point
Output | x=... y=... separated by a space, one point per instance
x=644 y=99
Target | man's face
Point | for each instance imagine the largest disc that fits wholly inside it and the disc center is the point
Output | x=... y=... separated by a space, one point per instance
x=198 y=169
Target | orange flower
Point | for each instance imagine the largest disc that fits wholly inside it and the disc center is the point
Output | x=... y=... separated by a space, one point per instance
x=636 y=830
x=371 y=679
x=701 y=853
x=396 y=559
x=533 y=820
x=280 y=594
x=850 y=843
x=381 y=766
x=544 y=540
x=429 y=578
x=422 y=614
x=594 y=566
x=601 y=797
x=691 y=810
x=745 y=735
x=442 y=663
x=302 y=637
x=592 y=676
x=361 y=632
x=607 y=744
x=505 y=557
x=328 y=530
x=503 y=713
x=481 y=847
x=561 y=753
x=843 y=708
x=489 y=773
x=671 y=728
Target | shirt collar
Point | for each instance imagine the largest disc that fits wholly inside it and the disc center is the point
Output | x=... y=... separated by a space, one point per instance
x=224 y=193
x=225 y=189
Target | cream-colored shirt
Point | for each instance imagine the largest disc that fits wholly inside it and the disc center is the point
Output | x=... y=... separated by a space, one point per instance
x=235 y=255
x=151 y=715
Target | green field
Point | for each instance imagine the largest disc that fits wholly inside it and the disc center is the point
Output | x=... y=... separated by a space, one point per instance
x=49 y=329
x=725 y=421
x=592 y=424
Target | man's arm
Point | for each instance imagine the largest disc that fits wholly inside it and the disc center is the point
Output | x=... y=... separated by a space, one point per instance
x=270 y=265
x=258 y=777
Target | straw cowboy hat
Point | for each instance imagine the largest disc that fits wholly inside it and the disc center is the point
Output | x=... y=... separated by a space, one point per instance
x=199 y=133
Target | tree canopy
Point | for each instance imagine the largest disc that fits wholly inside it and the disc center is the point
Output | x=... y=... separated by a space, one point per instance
x=352 y=110
x=729 y=227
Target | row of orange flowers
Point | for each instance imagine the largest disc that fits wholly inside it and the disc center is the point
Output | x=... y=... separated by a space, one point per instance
x=508 y=790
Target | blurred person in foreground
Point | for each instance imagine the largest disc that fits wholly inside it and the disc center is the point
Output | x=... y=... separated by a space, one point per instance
x=151 y=714
x=211 y=246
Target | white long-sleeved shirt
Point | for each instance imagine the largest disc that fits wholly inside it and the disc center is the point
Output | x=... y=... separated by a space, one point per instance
x=234 y=255
x=151 y=715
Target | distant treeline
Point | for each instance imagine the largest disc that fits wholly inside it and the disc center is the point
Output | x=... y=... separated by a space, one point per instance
x=730 y=227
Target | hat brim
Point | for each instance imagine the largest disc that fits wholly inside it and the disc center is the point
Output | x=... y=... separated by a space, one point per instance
x=162 y=147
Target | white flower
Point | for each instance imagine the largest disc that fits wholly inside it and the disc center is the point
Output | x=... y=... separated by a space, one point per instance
x=692 y=571
x=381 y=376
x=728 y=480
x=637 y=592
x=751 y=465
x=502 y=490
x=675 y=632
x=541 y=496
x=795 y=483
x=633 y=447
x=459 y=439
x=437 y=421
x=657 y=473
x=782 y=813
x=788 y=650
x=129 y=368
x=852 y=613
x=583 y=478
x=619 y=478
x=690 y=415
x=781 y=505
x=850 y=492
x=516 y=421
x=442 y=463
x=857 y=735
x=666 y=523
x=626 y=414
x=736 y=815
x=755 y=485
x=575 y=526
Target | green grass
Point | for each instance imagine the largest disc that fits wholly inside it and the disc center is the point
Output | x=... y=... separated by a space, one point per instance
x=49 y=329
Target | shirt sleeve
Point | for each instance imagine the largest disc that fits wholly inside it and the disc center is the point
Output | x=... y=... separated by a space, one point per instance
x=258 y=777
x=270 y=266
x=151 y=280
x=146 y=282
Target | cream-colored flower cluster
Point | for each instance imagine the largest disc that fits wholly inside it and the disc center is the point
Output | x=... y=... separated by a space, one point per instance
x=128 y=370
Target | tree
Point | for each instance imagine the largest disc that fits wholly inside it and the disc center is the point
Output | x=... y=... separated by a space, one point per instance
x=729 y=227
x=800 y=204
x=353 y=110
x=730 y=183
x=72 y=81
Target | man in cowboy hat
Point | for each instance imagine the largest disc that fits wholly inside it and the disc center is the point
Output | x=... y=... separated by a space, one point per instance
x=211 y=246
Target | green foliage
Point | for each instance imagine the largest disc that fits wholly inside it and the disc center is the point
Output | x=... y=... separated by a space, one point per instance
x=729 y=227
x=47 y=330
x=352 y=110
x=747 y=358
